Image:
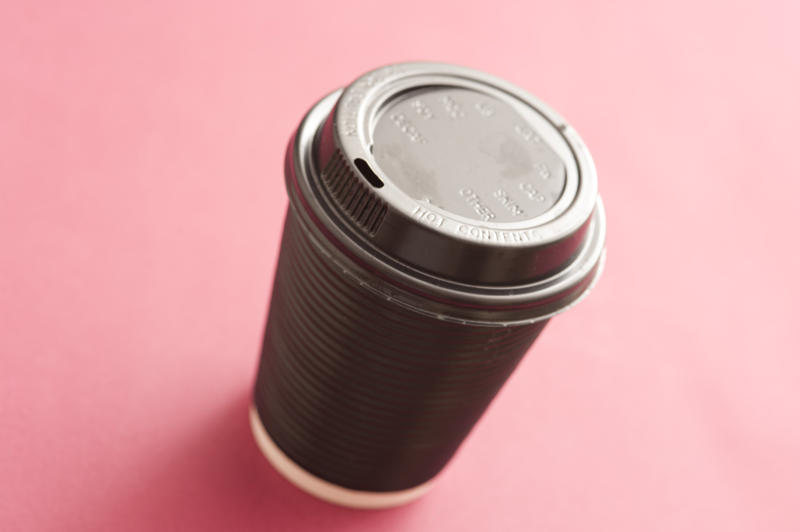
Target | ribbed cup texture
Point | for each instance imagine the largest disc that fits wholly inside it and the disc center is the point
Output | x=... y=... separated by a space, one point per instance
x=365 y=393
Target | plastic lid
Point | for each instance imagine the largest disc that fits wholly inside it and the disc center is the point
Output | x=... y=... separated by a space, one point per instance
x=457 y=173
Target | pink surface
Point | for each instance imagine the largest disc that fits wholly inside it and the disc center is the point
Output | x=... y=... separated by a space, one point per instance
x=140 y=210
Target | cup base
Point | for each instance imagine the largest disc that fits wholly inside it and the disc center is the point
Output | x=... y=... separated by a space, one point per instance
x=323 y=489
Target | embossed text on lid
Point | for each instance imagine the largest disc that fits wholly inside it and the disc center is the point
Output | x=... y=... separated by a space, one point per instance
x=468 y=154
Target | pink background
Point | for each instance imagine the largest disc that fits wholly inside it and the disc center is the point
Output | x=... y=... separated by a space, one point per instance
x=140 y=210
